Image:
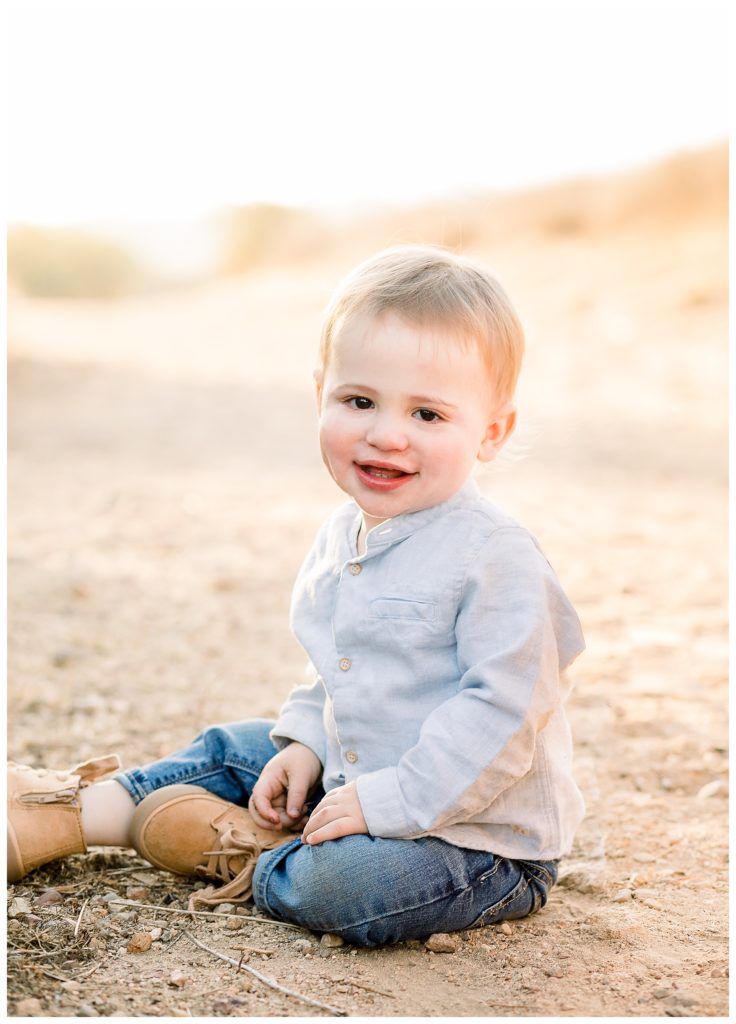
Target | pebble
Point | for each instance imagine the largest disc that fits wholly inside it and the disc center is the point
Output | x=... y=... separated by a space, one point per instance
x=709 y=789
x=644 y=858
x=441 y=942
x=156 y=933
x=303 y=946
x=140 y=942
x=683 y=999
x=85 y=1010
x=652 y=904
x=233 y=925
x=123 y=916
x=225 y=908
x=506 y=928
x=19 y=906
x=623 y=896
x=179 y=979
x=580 y=881
x=331 y=941
x=554 y=972
x=49 y=897
x=71 y=986
x=29 y=1008
x=138 y=892
x=661 y=993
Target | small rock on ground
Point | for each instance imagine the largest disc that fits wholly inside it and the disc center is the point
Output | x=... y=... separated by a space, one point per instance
x=29 y=1008
x=623 y=896
x=440 y=942
x=140 y=942
x=19 y=906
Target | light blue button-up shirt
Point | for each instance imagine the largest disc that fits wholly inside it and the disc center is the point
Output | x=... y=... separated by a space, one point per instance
x=436 y=677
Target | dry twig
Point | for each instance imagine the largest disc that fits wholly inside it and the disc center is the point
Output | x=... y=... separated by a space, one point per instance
x=265 y=979
x=208 y=913
x=79 y=919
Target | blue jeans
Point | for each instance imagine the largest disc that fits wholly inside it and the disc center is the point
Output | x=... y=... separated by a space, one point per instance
x=371 y=891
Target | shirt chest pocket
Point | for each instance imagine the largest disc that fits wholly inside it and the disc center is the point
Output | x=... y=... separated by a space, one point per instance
x=409 y=621
x=403 y=608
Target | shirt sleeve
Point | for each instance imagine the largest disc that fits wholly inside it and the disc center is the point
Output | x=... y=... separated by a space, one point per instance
x=301 y=717
x=515 y=631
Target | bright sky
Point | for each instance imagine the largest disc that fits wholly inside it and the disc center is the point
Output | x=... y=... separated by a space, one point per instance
x=170 y=108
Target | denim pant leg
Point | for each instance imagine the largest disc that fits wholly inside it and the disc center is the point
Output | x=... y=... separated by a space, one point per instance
x=374 y=891
x=225 y=759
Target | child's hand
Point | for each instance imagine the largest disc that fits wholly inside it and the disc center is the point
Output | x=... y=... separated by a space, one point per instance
x=337 y=814
x=279 y=797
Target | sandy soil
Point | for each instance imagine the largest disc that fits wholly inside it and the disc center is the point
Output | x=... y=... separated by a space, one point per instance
x=164 y=486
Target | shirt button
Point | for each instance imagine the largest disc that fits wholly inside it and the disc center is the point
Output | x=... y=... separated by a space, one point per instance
x=345 y=664
x=351 y=756
x=355 y=568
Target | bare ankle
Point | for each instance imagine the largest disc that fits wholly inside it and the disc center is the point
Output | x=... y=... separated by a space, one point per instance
x=107 y=811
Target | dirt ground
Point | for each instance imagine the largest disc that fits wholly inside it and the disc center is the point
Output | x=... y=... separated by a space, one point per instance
x=164 y=485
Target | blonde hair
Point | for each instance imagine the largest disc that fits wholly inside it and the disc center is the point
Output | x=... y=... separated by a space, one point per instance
x=427 y=285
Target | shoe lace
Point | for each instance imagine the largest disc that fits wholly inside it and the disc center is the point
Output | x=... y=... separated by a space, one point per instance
x=232 y=862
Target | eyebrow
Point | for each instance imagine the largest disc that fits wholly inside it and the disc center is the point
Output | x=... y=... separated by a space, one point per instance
x=430 y=400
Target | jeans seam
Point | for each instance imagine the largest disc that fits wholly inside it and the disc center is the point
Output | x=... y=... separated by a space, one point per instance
x=519 y=889
x=490 y=873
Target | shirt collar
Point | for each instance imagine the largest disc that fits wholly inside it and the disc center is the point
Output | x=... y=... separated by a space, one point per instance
x=401 y=527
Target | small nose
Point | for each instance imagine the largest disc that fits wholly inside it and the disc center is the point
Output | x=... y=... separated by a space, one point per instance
x=388 y=433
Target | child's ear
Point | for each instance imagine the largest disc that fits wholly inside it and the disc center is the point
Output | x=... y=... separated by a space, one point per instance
x=499 y=431
x=318 y=380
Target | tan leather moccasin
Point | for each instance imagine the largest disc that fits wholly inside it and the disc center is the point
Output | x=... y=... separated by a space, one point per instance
x=44 y=812
x=190 y=831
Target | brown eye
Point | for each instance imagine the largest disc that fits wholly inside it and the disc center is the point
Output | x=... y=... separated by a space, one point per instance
x=428 y=415
x=360 y=402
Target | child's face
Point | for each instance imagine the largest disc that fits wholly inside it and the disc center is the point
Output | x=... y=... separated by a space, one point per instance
x=405 y=411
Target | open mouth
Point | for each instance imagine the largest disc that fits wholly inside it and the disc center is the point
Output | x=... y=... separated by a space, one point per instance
x=381 y=476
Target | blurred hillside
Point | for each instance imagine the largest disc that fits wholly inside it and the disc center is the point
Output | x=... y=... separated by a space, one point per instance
x=116 y=260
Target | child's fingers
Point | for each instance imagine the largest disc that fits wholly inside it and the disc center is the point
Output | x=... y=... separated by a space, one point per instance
x=334 y=829
x=260 y=808
x=296 y=800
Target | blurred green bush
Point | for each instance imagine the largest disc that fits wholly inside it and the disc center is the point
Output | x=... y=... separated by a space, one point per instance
x=68 y=263
x=262 y=232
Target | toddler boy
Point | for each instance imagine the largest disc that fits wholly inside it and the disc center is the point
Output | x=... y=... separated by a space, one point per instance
x=420 y=781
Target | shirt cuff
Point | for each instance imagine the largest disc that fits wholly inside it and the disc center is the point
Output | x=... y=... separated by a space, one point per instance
x=290 y=729
x=383 y=805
